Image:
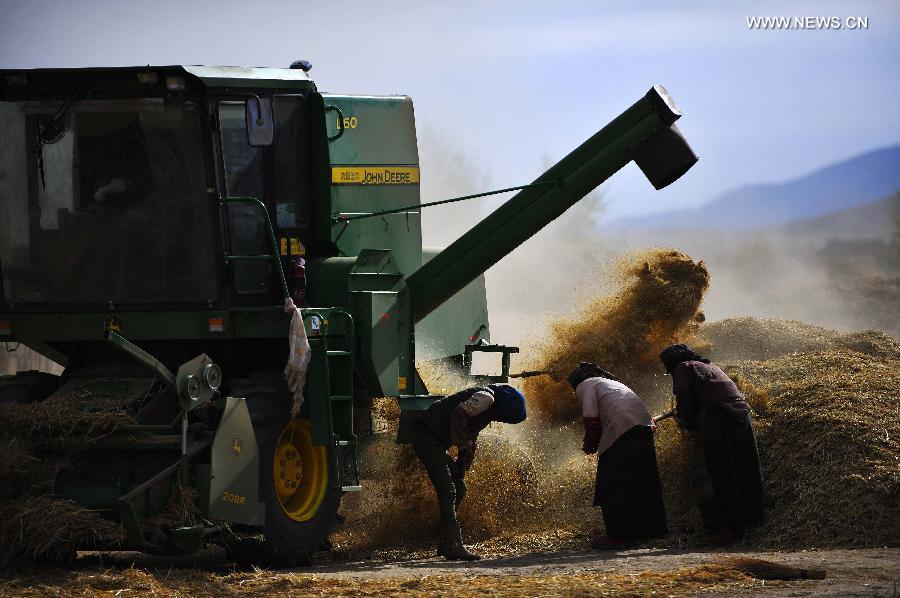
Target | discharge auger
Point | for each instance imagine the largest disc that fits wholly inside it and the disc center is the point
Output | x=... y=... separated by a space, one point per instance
x=149 y=243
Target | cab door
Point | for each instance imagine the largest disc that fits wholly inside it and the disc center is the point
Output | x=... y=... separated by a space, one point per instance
x=278 y=176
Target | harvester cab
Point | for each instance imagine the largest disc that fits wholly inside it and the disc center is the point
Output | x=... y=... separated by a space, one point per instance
x=153 y=223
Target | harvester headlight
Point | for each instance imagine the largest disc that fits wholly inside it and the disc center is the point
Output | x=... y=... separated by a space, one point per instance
x=192 y=385
x=213 y=375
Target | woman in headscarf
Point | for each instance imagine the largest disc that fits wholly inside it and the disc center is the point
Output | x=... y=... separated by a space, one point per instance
x=727 y=481
x=456 y=420
x=618 y=427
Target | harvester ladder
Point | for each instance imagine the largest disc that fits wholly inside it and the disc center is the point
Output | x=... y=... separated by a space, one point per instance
x=335 y=343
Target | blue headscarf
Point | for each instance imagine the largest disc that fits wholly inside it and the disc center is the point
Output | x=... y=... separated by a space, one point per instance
x=509 y=404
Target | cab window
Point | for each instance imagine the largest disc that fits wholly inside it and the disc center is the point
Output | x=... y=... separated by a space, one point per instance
x=243 y=169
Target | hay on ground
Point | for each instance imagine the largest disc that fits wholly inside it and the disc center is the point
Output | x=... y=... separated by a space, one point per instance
x=48 y=528
x=712 y=578
x=830 y=447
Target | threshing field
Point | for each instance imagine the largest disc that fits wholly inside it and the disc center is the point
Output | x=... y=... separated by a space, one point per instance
x=639 y=572
x=827 y=415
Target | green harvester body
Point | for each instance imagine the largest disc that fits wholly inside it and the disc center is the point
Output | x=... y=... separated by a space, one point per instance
x=174 y=249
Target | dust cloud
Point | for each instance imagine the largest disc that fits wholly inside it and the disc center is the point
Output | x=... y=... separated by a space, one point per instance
x=837 y=276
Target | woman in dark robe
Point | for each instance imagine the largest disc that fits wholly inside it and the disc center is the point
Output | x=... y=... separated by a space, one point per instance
x=618 y=427
x=727 y=481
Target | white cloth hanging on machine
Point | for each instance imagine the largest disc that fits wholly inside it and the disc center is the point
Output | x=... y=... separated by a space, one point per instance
x=298 y=359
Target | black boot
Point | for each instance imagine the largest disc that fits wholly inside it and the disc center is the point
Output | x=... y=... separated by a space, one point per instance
x=451 y=546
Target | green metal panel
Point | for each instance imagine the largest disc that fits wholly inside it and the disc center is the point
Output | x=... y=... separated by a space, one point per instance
x=378 y=153
x=447 y=330
x=384 y=131
x=377 y=321
x=318 y=395
x=234 y=468
x=327 y=281
x=160 y=325
x=268 y=322
x=397 y=232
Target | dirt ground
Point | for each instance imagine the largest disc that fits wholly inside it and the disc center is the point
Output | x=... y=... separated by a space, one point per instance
x=866 y=572
x=857 y=564
x=637 y=572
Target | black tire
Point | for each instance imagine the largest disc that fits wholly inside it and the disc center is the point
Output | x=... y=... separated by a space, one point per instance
x=288 y=542
x=27 y=387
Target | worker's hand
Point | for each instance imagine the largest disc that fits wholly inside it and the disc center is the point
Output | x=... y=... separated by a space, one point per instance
x=592 y=433
x=661 y=416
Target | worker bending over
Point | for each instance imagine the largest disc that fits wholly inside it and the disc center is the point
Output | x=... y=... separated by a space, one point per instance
x=457 y=420
x=727 y=482
x=618 y=427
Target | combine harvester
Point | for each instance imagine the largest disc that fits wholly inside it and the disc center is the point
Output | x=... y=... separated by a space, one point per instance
x=178 y=207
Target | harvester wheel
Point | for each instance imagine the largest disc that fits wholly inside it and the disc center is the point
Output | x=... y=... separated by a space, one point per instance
x=296 y=477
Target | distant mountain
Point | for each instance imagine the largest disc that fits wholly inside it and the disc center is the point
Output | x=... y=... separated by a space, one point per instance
x=872 y=220
x=840 y=186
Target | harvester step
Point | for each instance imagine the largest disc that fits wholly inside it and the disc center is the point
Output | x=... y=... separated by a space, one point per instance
x=339 y=353
x=341 y=398
x=351 y=488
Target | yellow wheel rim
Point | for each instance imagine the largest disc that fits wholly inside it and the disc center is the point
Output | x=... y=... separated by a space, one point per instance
x=301 y=471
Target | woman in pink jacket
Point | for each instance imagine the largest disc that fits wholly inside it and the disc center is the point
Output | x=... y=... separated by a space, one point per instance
x=617 y=426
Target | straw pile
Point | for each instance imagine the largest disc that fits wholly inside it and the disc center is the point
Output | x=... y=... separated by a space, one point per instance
x=830 y=444
x=47 y=528
x=21 y=472
x=34 y=524
x=63 y=415
x=737 y=339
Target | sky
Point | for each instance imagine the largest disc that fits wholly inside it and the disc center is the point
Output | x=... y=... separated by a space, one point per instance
x=515 y=86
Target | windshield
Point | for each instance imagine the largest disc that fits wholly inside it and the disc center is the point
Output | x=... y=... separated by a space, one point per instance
x=112 y=208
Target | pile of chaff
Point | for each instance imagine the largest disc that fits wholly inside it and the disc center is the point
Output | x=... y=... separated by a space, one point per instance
x=48 y=528
x=35 y=525
x=830 y=444
x=63 y=415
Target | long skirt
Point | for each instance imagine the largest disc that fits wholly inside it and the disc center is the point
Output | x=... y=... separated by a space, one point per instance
x=628 y=488
x=727 y=480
